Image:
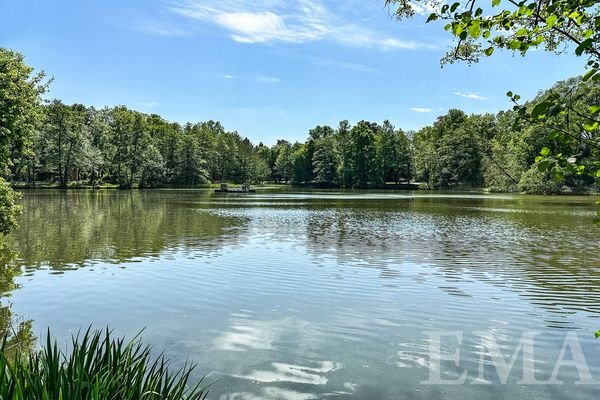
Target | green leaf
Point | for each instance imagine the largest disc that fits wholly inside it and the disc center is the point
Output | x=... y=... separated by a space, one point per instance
x=597 y=334
x=540 y=109
x=454 y=6
x=489 y=51
x=495 y=3
x=551 y=20
x=554 y=110
x=594 y=109
x=522 y=32
x=457 y=29
x=432 y=17
x=509 y=94
x=589 y=74
x=545 y=151
x=559 y=176
x=590 y=126
x=515 y=44
x=475 y=30
x=586 y=44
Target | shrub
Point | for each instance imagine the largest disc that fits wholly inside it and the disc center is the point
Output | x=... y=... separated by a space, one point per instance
x=535 y=182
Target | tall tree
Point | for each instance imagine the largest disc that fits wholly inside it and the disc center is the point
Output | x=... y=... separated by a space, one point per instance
x=344 y=145
x=325 y=160
x=20 y=100
x=284 y=163
x=393 y=154
x=362 y=137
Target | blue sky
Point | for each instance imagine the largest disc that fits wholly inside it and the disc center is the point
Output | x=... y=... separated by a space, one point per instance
x=267 y=68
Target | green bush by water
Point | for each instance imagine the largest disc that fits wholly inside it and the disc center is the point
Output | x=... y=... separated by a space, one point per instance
x=99 y=367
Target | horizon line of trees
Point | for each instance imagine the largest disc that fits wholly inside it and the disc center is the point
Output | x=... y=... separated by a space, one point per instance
x=75 y=143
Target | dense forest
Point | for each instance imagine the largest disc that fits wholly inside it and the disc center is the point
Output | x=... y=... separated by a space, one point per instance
x=75 y=145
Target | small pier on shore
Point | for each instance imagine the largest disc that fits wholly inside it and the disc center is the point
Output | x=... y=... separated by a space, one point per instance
x=226 y=189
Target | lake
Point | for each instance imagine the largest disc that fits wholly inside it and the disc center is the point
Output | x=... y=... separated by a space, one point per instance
x=324 y=294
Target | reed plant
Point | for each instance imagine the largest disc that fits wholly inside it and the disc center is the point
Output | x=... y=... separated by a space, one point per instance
x=97 y=367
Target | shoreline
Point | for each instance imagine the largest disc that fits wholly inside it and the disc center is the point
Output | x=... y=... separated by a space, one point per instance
x=273 y=186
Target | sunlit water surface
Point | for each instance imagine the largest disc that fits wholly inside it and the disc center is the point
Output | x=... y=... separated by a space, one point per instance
x=320 y=295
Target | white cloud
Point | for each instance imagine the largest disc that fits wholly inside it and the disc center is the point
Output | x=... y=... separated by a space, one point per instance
x=399 y=44
x=421 y=109
x=264 y=21
x=228 y=76
x=470 y=95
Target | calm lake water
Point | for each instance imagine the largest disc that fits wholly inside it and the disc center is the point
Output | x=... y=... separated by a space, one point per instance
x=321 y=295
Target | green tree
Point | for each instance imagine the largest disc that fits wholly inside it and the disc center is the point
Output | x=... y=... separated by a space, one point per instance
x=152 y=167
x=393 y=154
x=344 y=145
x=191 y=168
x=20 y=100
x=362 y=137
x=557 y=25
x=266 y=154
x=64 y=137
x=425 y=157
x=314 y=135
x=139 y=151
x=284 y=163
x=121 y=125
x=300 y=164
x=325 y=160
x=20 y=112
x=9 y=209
x=91 y=161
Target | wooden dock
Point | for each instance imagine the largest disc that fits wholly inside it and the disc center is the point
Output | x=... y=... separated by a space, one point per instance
x=235 y=191
x=226 y=189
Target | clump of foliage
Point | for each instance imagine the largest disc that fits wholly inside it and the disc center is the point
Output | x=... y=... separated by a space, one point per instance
x=20 y=91
x=98 y=367
x=560 y=26
x=9 y=209
x=535 y=182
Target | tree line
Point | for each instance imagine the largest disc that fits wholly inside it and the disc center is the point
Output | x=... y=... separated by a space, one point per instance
x=117 y=145
x=503 y=152
x=75 y=144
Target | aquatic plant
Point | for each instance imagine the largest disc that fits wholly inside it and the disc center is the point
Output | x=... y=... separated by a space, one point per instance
x=98 y=367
